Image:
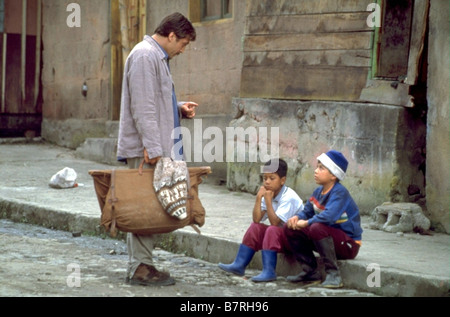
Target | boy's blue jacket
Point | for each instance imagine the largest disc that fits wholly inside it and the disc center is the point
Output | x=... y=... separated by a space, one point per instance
x=336 y=209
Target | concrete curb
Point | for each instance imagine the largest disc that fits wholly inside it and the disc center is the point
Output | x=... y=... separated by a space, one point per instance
x=355 y=273
x=47 y=217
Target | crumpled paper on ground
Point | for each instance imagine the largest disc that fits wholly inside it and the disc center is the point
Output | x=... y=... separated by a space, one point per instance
x=65 y=178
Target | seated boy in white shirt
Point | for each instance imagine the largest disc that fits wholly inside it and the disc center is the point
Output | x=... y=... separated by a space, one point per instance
x=276 y=203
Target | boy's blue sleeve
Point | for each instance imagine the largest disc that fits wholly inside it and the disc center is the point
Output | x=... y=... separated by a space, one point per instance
x=307 y=211
x=334 y=208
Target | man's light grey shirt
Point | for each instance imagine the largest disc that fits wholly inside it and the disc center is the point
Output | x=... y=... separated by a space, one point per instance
x=146 y=115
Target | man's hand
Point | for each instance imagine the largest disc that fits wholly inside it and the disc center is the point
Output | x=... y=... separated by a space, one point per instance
x=188 y=109
x=151 y=161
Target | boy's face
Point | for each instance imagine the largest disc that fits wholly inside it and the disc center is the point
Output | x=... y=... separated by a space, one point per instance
x=273 y=182
x=322 y=175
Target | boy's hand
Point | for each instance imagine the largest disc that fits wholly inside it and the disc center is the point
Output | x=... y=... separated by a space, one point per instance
x=292 y=222
x=261 y=192
x=301 y=224
x=268 y=196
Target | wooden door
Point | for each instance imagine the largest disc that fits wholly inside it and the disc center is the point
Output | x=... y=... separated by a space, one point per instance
x=20 y=67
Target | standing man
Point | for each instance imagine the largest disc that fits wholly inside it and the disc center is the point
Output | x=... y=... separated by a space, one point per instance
x=149 y=114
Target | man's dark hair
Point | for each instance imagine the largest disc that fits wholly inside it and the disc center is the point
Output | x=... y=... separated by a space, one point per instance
x=278 y=166
x=177 y=23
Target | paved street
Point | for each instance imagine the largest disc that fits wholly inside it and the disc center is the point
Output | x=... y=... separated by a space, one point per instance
x=409 y=264
x=39 y=262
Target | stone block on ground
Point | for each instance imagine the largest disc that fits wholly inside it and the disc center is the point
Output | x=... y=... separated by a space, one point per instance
x=399 y=217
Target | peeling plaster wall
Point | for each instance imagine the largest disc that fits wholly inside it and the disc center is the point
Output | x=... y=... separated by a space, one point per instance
x=369 y=135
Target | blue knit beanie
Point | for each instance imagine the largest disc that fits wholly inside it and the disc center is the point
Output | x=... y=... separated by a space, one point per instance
x=335 y=162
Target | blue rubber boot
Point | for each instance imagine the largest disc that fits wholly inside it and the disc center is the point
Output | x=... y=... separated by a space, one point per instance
x=269 y=259
x=243 y=258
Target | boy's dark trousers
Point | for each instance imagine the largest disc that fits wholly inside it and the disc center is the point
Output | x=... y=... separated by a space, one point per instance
x=331 y=243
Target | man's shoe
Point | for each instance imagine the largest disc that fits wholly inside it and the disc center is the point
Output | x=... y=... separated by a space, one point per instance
x=148 y=275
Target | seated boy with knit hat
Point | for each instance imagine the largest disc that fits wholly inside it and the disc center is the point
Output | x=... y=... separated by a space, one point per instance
x=329 y=224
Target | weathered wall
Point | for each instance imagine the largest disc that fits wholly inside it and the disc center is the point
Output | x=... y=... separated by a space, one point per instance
x=371 y=137
x=209 y=71
x=330 y=47
x=321 y=50
x=306 y=50
x=438 y=130
x=71 y=57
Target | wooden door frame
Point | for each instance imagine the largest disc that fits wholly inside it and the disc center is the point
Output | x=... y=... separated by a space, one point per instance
x=128 y=27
